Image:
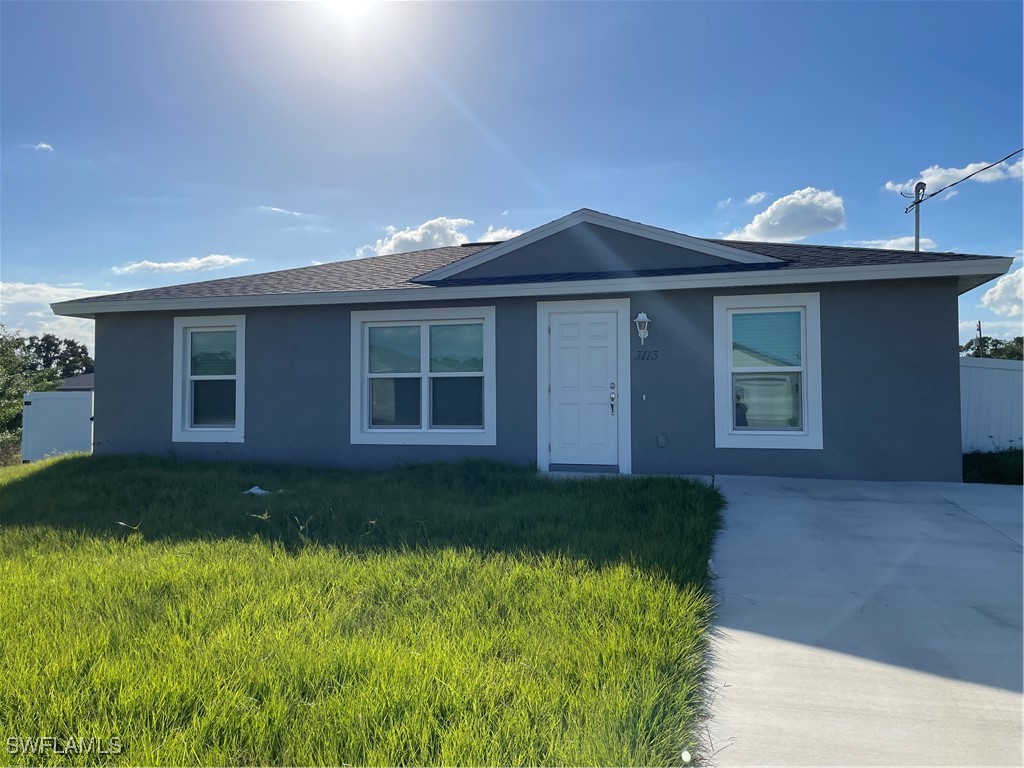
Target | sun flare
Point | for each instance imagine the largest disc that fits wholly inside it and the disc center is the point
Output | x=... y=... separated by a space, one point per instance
x=351 y=10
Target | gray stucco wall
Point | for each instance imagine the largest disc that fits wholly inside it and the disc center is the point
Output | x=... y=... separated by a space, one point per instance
x=297 y=389
x=890 y=386
x=890 y=381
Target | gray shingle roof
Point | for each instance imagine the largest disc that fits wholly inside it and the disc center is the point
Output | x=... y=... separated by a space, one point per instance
x=79 y=383
x=370 y=274
x=801 y=255
x=399 y=271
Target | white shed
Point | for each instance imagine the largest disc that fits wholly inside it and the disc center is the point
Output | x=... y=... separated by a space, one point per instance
x=55 y=423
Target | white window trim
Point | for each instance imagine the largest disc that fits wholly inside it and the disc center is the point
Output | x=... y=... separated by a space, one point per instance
x=810 y=437
x=181 y=432
x=360 y=431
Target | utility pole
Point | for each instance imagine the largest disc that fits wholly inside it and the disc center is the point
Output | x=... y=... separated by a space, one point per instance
x=980 y=351
x=918 y=199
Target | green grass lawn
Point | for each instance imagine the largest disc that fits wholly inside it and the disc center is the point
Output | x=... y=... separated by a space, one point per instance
x=446 y=614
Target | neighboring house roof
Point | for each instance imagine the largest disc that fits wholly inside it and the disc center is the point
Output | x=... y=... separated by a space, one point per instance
x=82 y=382
x=434 y=274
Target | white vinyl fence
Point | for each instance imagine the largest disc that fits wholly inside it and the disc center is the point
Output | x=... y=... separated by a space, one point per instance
x=54 y=423
x=991 y=403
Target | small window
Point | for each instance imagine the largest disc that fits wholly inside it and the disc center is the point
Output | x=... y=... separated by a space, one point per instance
x=767 y=372
x=208 y=379
x=423 y=377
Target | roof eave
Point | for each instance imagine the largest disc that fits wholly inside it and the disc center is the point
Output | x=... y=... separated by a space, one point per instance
x=970 y=273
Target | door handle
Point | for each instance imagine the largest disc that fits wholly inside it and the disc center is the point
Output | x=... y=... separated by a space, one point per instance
x=611 y=401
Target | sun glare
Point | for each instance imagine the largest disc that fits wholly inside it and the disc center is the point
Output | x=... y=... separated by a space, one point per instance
x=351 y=10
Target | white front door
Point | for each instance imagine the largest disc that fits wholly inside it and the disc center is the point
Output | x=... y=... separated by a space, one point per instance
x=585 y=393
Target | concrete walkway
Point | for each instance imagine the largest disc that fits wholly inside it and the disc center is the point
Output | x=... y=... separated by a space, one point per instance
x=867 y=624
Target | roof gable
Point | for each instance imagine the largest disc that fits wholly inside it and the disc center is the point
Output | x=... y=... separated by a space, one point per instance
x=588 y=241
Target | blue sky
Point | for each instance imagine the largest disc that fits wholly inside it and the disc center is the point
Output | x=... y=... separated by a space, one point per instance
x=147 y=144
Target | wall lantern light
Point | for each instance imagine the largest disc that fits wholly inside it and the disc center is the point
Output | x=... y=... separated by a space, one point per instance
x=642 y=323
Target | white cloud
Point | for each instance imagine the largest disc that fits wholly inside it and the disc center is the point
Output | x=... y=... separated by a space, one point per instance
x=430 y=234
x=194 y=264
x=285 y=211
x=791 y=218
x=501 y=233
x=898 y=243
x=25 y=307
x=42 y=146
x=723 y=204
x=41 y=293
x=1006 y=296
x=435 y=233
x=505 y=212
x=757 y=197
x=937 y=177
x=77 y=328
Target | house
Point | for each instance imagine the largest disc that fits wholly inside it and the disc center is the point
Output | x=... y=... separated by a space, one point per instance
x=758 y=358
x=83 y=382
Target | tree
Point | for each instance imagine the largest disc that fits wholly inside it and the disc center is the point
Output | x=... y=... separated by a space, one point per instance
x=67 y=356
x=998 y=349
x=20 y=372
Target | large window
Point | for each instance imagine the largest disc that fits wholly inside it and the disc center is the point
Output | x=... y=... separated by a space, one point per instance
x=768 y=371
x=423 y=376
x=209 y=373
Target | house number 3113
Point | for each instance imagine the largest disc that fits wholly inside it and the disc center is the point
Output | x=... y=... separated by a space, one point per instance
x=646 y=354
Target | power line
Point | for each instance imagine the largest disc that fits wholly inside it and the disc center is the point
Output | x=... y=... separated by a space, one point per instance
x=916 y=202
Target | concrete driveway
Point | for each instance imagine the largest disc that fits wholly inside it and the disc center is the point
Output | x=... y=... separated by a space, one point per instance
x=867 y=624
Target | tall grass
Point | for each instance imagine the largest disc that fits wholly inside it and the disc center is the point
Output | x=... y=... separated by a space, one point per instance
x=465 y=614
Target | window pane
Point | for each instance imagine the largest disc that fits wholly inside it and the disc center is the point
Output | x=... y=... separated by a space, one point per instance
x=457 y=401
x=764 y=339
x=395 y=349
x=213 y=353
x=394 y=402
x=457 y=348
x=213 y=403
x=766 y=401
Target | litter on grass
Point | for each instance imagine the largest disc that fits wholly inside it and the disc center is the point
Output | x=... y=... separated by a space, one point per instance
x=256 y=491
